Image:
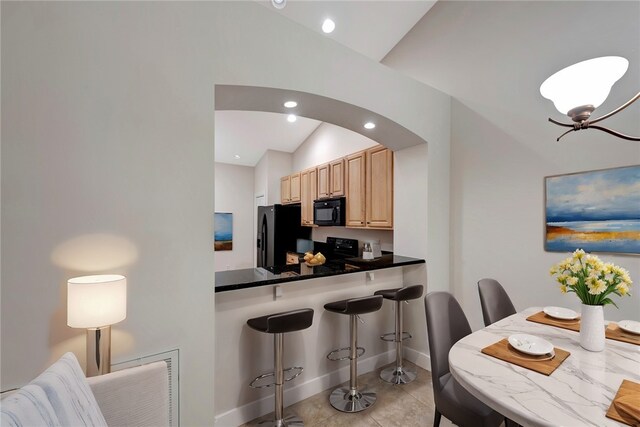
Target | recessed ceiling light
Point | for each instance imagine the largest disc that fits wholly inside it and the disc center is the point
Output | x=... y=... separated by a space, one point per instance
x=328 y=26
x=237 y=156
x=291 y=118
x=279 y=4
x=369 y=125
x=290 y=104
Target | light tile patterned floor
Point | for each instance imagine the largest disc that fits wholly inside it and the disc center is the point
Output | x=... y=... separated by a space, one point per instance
x=397 y=406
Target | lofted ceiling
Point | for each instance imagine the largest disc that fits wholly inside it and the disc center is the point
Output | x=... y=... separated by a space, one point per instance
x=371 y=28
x=249 y=134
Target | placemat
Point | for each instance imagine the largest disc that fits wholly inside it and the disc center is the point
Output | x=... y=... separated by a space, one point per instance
x=626 y=388
x=542 y=364
x=614 y=332
x=540 y=317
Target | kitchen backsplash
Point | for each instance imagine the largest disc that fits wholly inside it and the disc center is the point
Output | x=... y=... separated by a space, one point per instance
x=320 y=234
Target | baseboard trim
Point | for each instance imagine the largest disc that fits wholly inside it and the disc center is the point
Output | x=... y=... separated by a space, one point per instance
x=421 y=359
x=255 y=409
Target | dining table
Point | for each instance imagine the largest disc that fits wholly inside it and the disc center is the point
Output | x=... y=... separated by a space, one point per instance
x=577 y=393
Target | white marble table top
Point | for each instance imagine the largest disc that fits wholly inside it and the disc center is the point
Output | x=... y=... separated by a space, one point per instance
x=577 y=393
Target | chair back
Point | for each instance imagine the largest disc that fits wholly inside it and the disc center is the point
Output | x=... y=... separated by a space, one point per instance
x=446 y=325
x=495 y=301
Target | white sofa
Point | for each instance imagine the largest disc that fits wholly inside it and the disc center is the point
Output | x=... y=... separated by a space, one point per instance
x=62 y=396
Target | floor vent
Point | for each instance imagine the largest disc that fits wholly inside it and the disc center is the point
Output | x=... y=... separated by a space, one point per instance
x=172 y=357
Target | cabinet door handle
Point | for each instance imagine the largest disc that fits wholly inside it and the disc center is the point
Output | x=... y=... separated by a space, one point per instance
x=361 y=222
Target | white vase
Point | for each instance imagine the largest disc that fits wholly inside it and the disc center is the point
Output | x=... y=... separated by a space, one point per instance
x=592 y=327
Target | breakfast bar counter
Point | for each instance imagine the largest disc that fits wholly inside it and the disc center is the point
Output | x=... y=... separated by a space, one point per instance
x=252 y=277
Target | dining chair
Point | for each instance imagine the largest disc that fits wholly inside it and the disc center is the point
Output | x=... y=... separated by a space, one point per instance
x=495 y=301
x=446 y=325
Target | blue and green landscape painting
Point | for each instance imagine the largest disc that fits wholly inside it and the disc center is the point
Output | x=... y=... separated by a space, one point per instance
x=597 y=211
x=223 y=231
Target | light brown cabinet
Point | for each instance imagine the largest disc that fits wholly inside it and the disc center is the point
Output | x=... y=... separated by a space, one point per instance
x=295 y=187
x=331 y=179
x=290 y=188
x=355 y=185
x=369 y=188
x=309 y=192
x=379 y=188
x=285 y=190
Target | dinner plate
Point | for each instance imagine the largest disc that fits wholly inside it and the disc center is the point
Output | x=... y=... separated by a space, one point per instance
x=560 y=313
x=530 y=344
x=630 y=326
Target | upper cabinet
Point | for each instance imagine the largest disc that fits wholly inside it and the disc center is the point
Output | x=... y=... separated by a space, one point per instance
x=365 y=178
x=379 y=188
x=369 y=188
x=355 y=188
x=285 y=189
x=331 y=179
x=295 y=187
x=290 y=188
x=309 y=193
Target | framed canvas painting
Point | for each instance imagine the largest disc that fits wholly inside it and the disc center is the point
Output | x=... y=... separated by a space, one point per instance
x=598 y=211
x=223 y=231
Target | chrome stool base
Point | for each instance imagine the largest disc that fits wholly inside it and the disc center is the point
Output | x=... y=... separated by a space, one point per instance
x=343 y=400
x=288 y=421
x=395 y=375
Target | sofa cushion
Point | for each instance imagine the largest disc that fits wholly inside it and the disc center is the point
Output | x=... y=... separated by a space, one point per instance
x=65 y=390
x=28 y=406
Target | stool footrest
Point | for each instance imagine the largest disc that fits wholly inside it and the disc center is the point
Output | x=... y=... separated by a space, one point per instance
x=331 y=356
x=295 y=370
x=391 y=336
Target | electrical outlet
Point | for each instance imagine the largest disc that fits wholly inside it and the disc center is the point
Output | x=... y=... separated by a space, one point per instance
x=370 y=276
x=277 y=291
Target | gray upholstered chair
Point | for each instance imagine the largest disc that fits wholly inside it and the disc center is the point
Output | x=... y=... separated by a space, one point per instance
x=447 y=324
x=495 y=301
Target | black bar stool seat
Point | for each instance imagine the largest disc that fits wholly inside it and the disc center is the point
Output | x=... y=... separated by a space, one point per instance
x=279 y=324
x=362 y=305
x=399 y=374
x=351 y=399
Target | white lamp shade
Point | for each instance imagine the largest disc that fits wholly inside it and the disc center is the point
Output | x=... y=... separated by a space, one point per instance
x=585 y=83
x=96 y=301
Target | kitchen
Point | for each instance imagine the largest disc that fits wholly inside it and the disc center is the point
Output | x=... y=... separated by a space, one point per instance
x=276 y=172
x=281 y=287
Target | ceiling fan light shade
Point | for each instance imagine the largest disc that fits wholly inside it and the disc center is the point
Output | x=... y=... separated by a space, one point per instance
x=585 y=83
x=279 y=4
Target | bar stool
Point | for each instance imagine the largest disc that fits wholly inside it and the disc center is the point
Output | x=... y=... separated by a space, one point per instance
x=399 y=374
x=351 y=399
x=278 y=324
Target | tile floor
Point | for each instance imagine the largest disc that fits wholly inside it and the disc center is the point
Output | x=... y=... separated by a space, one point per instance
x=402 y=406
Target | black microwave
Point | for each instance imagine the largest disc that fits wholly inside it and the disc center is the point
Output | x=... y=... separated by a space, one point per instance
x=329 y=212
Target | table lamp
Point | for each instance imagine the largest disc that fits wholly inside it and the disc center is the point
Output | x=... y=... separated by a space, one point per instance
x=96 y=303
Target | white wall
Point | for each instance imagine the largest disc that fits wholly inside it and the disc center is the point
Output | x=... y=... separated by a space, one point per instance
x=107 y=120
x=234 y=193
x=502 y=144
x=328 y=142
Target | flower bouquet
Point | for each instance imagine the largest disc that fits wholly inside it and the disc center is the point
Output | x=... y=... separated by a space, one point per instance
x=592 y=280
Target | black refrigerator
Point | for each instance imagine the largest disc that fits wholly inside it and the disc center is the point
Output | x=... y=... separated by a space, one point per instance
x=278 y=229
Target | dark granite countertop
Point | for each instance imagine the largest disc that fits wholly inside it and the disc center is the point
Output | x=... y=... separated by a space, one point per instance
x=251 y=277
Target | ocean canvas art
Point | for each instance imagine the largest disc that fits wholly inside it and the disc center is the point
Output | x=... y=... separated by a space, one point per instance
x=598 y=211
x=223 y=231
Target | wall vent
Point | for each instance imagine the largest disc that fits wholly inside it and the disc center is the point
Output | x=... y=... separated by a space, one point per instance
x=172 y=358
